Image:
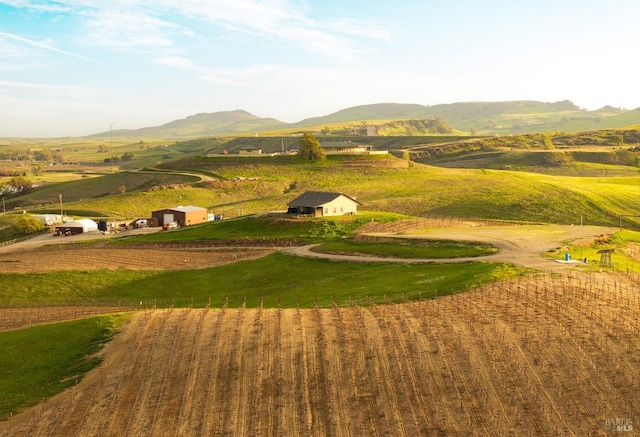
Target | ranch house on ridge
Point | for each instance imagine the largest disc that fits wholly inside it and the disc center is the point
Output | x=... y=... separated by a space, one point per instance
x=322 y=204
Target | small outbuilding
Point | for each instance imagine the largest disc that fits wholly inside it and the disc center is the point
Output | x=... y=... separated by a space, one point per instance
x=322 y=203
x=349 y=148
x=182 y=215
x=250 y=151
x=75 y=227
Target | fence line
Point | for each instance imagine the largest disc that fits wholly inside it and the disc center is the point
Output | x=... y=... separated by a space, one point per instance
x=574 y=305
x=21 y=316
x=435 y=221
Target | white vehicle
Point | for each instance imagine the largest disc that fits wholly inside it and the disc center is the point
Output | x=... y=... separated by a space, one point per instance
x=140 y=223
x=172 y=225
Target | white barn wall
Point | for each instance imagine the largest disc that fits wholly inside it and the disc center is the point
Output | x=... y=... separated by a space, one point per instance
x=340 y=206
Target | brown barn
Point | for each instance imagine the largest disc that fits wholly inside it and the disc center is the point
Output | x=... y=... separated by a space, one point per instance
x=182 y=215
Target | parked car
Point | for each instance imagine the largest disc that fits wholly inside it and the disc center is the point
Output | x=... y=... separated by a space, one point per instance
x=171 y=225
x=140 y=223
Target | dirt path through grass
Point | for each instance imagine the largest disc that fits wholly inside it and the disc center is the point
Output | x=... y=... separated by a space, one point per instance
x=522 y=245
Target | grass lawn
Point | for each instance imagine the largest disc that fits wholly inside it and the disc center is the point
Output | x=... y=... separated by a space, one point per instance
x=264 y=227
x=620 y=259
x=41 y=361
x=278 y=278
x=409 y=248
x=244 y=186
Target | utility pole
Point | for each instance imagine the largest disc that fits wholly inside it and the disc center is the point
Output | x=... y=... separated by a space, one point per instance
x=3 y=207
x=61 y=213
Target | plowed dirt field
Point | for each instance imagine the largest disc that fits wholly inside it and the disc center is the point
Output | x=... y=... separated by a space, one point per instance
x=546 y=356
x=66 y=257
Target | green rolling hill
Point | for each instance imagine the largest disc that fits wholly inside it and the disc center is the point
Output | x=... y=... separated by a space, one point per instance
x=481 y=118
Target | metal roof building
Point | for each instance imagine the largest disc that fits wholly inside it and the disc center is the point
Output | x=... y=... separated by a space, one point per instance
x=183 y=215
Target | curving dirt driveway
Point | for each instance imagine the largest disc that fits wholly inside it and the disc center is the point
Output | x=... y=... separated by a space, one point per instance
x=47 y=239
x=522 y=245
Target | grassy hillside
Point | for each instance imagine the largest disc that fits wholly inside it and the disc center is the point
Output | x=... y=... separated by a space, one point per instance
x=241 y=186
x=391 y=184
x=420 y=145
x=41 y=361
x=484 y=118
x=491 y=118
x=287 y=141
x=548 y=152
x=491 y=184
x=198 y=125
x=281 y=279
x=105 y=187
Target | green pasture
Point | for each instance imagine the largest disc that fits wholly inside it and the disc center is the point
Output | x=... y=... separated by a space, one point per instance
x=6 y=226
x=417 y=190
x=244 y=186
x=277 y=278
x=617 y=196
x=40 y=361
x=408 y=248
x=591 y=163
x=620 y=258
x=270 y=228
x=141 y=204
x=96 y=189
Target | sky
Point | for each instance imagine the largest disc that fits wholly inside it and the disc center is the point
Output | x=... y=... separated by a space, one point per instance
x=79 y=67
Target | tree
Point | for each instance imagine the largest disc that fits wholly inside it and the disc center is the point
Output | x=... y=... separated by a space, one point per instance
x=491 y=124
x=43 y=155
x=27 y=224
x=16 y=185
x=309 y=148
x=127 y=156
x=441 y=126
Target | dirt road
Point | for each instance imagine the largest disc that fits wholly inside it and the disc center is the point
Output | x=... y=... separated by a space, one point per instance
x=521 y=245
x=49 y=240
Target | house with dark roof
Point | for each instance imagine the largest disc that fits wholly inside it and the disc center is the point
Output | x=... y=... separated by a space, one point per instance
x=322 y=203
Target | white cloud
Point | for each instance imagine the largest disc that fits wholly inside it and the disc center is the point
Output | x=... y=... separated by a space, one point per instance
x=255 y=77
x=156 y=23
x=177 y=62
x=42 y=45
x=283 y=21
x=291 y=93
x=65 y=90
x=128 y=28
x=37 y=6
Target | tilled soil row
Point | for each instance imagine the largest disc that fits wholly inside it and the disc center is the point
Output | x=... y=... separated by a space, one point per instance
x=133 y=258
x=536 y=356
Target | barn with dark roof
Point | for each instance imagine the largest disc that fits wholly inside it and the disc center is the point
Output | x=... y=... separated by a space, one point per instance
x=322 y=204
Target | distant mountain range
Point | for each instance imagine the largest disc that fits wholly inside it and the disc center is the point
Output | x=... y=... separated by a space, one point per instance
x=481 y=118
